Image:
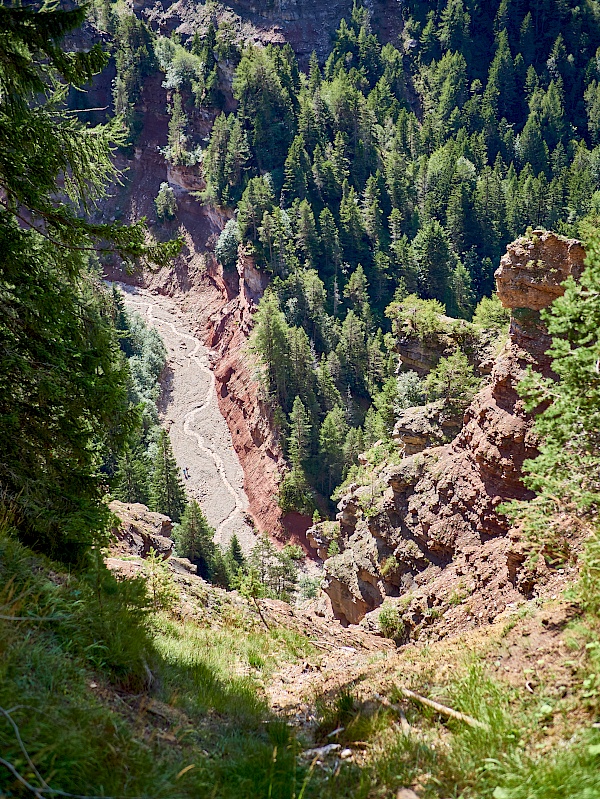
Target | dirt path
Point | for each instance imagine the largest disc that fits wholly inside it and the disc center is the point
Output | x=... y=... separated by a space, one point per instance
x=199 y=434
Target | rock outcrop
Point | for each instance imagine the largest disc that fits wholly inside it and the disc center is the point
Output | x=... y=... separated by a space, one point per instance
x=428 y=531
x=425 y=426
x=306 y=24
x=534 y=268
x=140 y=530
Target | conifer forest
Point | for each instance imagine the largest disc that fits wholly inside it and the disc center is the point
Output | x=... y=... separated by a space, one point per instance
x=300 y=399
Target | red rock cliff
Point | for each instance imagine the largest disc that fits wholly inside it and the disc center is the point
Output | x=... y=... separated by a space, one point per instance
x=436 y=529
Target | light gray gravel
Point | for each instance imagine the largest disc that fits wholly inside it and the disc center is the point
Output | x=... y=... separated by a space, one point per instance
x=199 y=434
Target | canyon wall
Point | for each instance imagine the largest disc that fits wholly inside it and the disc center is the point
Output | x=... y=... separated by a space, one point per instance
x=427 y=531
x=306 y=24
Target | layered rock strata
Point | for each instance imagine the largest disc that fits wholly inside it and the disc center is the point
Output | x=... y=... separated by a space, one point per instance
x=306 y=24
x=428 y=532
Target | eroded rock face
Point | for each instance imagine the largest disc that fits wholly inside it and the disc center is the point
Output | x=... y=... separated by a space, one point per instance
x=425 y=426
x=534 y=267
x=306 y=24
x=240 y=401
x=141 y=530
x=429 y=531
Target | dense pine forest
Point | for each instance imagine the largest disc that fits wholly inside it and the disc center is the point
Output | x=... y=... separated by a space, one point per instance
x=377 y=191
x=390 y=173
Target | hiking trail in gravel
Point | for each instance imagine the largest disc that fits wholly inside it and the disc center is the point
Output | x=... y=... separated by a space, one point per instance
x=189 y=411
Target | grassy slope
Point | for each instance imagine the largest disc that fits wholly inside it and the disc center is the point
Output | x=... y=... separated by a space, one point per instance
x=113 y=699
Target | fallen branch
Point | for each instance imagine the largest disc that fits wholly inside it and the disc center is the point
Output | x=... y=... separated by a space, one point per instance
x=323 y=645
x=443 y=710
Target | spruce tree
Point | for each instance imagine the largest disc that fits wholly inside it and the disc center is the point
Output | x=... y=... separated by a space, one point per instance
x=270 y=343
x=131 y=478
x=454 y=381
x=500 y=93
x=167 y=494
x=63 y=381
x=257 y=198
x=194 y=538
x=330 y=241
x=356 y=290
x=177 y=126
x=235 y=551
x=332 y=436
x=307 y=237
x=300 y=434
x=296 y=170
x=433 y=260
x=314 y=76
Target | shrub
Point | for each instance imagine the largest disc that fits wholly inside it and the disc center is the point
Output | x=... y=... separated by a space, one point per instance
x=490 y=314
x=309 y=587
x=333 y=549
x=165 y=202
x=161 y=586
x=227 y=245
x=295 y=493
x=411 y=391
x=453 y=380
x=414 y=316
x=391 y=624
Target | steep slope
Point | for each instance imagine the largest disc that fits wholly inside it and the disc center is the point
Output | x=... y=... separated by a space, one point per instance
x=306 y=24
x=428 y=530
x=201 y=440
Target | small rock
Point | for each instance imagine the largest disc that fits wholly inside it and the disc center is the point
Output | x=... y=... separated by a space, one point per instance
x=345 y=754
x=406 y=793
x=321 y=751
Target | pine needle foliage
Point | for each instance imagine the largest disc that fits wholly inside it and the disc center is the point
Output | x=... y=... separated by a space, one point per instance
x=167 y=494
x=41 y=142
x=64 y=410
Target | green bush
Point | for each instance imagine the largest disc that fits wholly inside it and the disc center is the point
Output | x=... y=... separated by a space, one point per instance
x=453 y=380
x=226 y=249
x=295 y=494
x=391 y=623
x=165 y=202
x=414 y=316
x=490 y=314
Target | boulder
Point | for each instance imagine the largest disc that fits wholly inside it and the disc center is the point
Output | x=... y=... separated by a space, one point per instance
x=139 y=530
x=426 y=426
x=320 y=537
x=534 y=268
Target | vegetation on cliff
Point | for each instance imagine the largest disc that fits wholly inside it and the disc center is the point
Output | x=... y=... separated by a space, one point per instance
x=389 y=171
x=152 y=686
x=565 y=476
x=395 y=171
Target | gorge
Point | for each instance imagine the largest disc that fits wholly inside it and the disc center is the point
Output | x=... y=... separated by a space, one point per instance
x=300 y=399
